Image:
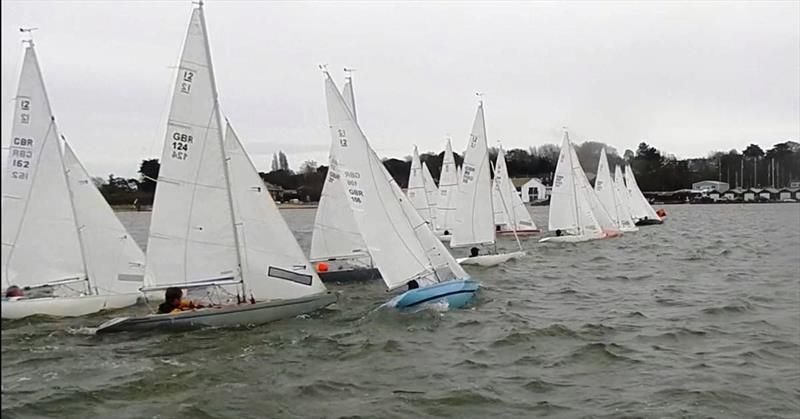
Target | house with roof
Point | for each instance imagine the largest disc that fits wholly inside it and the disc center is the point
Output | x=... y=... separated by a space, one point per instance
x=531 y=189
x=733 y=194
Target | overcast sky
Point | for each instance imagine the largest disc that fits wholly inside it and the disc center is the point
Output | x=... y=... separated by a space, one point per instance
x=687 y=78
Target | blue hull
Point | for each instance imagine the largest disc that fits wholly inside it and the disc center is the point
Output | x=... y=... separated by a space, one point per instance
x=456 y=294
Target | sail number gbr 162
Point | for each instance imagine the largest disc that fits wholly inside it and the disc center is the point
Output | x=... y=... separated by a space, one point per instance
x=180 y=145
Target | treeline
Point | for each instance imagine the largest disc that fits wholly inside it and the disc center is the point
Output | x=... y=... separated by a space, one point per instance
x=654 y=170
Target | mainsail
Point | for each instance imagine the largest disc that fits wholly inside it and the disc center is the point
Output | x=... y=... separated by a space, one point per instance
x=448 y=190
x=640 y=207
x=416 y=188
x=388 y=223
x=432 y=192
x=509 y=211
x=569 y=207
x=474 y=220
x=335 y=232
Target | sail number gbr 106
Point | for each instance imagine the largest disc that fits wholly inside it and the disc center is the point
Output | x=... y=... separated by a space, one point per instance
x=180 y=145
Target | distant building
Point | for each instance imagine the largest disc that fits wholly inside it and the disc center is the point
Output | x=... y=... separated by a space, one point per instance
x=784 y=193
x=794 y=184
x=531 y=189
x=714 y=195
x=711 y=185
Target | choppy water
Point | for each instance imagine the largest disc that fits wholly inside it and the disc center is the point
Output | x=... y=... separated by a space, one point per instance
x=699 y=317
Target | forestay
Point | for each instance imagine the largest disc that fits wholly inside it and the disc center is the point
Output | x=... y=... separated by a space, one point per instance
x=114 y=262
x=416 y=188
x=192 y=236
x=639 y=205
x=448 y=190
x=273 y=264
x=36 y=204
x=388 y=223
x=335 y=231
x=474 y=220
x=509 y=210
x=569 y=209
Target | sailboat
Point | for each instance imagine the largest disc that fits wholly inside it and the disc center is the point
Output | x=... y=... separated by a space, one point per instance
x=612 y=197
x=62 y=243
x=474 y=221
x=417 y=192
x=576 y=214
x=511 y=217
x=448 y=190
x=641 y=209
x=404 y=248
x=337 y=248
x=215 y=229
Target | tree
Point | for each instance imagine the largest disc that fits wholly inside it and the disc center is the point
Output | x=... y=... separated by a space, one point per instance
x=753 y=152
x=283 y=162
x=309 y=166
x=275 y=165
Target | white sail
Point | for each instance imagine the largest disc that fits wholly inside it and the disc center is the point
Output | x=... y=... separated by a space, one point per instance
x=474 y=221
x=381 y=211
x=432 y=193
x=640 y=206
x=621 y=195
x=273 y=264
x=585 y=188
x=607 y=193
x=114 y=262
x=569 y=208
x=416 y=188
x=192 y=235
x=448 y=190
x=39 y=231
x=335 y=231
x=510 y=212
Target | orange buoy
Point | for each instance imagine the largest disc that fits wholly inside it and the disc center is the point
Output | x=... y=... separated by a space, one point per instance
x=322 y=267
x=661 y=213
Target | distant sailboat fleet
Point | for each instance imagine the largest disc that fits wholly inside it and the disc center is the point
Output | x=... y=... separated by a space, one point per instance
x=216 y=233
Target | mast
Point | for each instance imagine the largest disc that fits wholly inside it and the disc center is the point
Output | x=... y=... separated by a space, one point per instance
x=218 y=116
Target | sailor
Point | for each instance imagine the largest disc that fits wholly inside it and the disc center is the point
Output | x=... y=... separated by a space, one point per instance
x=473 y=252
x=14 y=292
x=558 y=233
x=173 y=302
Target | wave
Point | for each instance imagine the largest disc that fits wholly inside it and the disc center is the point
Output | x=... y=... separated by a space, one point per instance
x=740 y=307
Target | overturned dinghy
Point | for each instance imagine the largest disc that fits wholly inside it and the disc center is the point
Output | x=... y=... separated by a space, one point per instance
x=215 y=229
x=62 y=243
x=474 y=216
x=337 y=249
x=404 y=248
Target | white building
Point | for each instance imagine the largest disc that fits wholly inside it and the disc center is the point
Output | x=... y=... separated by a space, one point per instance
x=531 y=189
x=711 y=185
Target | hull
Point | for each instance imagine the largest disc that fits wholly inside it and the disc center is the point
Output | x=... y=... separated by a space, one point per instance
x=66 y=306
x=629 y=229
x=489 y=260
x=350 y=275
x=569 y=239
x=648 y=222
x=455 y=294
x=521 y=233
x=244 y=314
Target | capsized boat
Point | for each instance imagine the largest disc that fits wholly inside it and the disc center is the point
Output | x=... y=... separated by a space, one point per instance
x=215 y=229
x=61 y=242
x=404 y=248
x=338 y=252
x=643 y=212
x=611 y=196
x=474 y=216
x=576 y=214
x=511 y=216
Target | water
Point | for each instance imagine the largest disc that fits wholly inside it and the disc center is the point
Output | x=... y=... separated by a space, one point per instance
x=699 y=317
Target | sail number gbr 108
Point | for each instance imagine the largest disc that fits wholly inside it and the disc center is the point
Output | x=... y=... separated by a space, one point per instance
x=351 y=178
